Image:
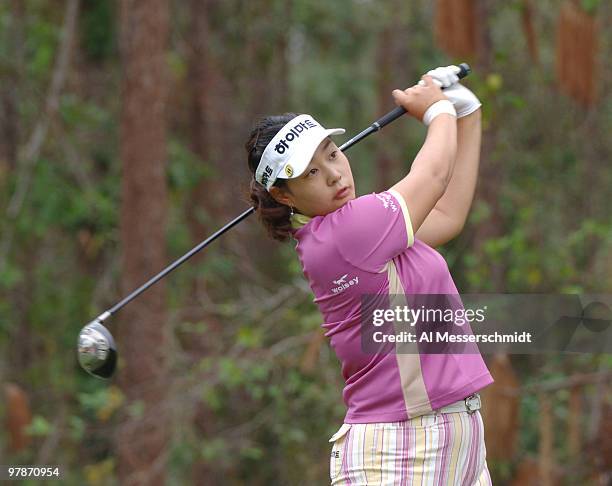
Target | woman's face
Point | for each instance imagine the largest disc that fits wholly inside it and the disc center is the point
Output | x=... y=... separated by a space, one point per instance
x=315 y=191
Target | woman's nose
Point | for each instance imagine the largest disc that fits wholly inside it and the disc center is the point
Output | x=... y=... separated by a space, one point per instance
x=334 y=176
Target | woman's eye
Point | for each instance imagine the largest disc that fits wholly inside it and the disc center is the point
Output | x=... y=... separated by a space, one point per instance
x=333 y=154
x=312 y=171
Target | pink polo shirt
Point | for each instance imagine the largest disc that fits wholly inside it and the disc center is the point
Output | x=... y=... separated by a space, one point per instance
x=367 y=247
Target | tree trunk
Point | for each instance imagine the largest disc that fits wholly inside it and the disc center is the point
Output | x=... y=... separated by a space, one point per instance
x=142 y=438
x=266 y=84
x=527 y=15
x=204 y=79
x=384 y=81
x=491 y=172
x=9 y=91
x=230 y=88
x=394 y=70
x=501 y=421
x=456 y=26
x=577 y=60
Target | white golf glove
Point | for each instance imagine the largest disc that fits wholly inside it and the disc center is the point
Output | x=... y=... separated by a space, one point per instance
x=464 y=101
x=443 y=76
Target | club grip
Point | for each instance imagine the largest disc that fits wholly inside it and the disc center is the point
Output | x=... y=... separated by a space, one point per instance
x=464 y=70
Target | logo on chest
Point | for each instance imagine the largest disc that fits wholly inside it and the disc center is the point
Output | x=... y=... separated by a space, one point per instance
x=342 y=284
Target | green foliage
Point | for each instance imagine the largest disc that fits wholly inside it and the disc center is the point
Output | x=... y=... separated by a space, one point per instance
x=10 y=277
x=590 y=6
x=97 y=26
x=136 y=409
x=186 y=170
x=41 y=42
x=39 y=427
x=213 y=450
x=77 y=428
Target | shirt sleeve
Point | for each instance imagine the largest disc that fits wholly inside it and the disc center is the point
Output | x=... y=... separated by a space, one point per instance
x=373 y=229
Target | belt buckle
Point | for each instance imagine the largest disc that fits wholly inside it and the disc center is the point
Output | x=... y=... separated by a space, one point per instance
x=471 y=408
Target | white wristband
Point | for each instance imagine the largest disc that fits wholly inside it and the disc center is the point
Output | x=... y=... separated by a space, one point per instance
x=439 y=107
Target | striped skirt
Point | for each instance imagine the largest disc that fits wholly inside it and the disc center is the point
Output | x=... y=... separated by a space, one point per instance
x=438 y=449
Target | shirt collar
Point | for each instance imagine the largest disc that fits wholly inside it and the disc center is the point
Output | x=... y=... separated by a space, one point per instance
x=298 y=220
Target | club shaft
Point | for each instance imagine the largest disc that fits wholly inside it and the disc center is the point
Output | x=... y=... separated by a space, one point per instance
x=393 y=115
x=376 y=126
x=177 y=263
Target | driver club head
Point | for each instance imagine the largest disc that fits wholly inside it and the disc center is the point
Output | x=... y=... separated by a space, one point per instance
x=97 y=352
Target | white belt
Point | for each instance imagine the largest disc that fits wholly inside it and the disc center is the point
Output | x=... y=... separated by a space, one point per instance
x=469 y=405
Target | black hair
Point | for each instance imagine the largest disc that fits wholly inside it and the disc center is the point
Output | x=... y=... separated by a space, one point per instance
x=273 y=215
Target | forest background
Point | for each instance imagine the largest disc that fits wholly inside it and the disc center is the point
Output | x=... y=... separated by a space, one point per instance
x=122 y=131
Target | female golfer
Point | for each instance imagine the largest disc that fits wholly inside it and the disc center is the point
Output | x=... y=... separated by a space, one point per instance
x=412 y=417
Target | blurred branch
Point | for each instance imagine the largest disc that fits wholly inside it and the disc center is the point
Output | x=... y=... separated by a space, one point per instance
x=596 y=407
x=146 y=476
x=241 y=430
x=105 y=283
x=188 y=386
x=31 y=152
x=74 y=163
x=309 y=358
x=252 y=300
x=288 y=343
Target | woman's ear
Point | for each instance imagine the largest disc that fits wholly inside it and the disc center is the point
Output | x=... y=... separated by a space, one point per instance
x=281 y=196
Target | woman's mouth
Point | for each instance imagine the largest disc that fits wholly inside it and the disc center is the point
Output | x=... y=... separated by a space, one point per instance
x=342 y=193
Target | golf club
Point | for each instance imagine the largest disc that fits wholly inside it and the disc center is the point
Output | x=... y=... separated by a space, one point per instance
x=97 y=353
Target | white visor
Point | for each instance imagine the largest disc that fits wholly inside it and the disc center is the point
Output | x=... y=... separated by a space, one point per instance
x=290 y=151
